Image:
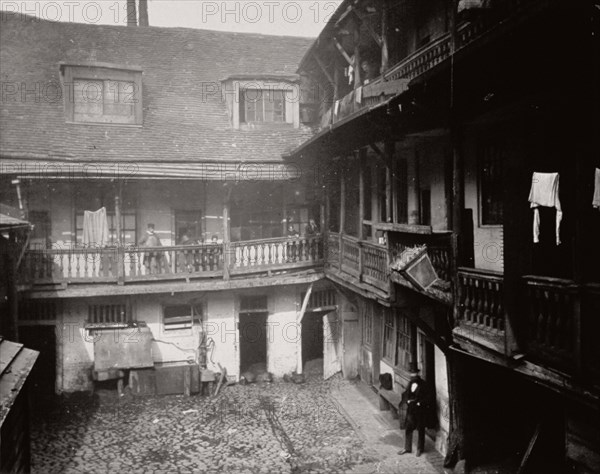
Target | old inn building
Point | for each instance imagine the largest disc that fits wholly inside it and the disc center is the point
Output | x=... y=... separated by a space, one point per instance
x=446 y=151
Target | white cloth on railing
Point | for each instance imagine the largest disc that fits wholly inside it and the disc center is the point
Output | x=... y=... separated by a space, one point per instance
x=472 y=4
x=358 y=95
x=596 y=199
x=544 y=192
x=95 y=228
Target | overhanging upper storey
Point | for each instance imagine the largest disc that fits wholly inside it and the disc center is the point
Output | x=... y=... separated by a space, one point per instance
x=372 y=52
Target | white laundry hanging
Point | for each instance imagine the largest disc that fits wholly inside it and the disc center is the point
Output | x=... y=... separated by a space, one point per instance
x=544 y=193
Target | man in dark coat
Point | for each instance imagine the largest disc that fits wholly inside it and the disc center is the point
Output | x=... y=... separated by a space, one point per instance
x=416 y=399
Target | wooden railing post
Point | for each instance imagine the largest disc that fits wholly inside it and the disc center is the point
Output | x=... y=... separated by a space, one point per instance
x=360 y=261
x=120 y=264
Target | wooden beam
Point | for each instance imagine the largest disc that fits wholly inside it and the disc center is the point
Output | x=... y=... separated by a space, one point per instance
x=305 y=303
x=377 y=150
x=156 y=287
x=322 y=66
x=343 y=52
x=300 y=318
x=384 y=37
x=369 y=28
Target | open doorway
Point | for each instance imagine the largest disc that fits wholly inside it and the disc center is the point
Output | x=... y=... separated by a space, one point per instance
x=252 y=328
x=312 y=336
x=320 y=334
x=253 y=340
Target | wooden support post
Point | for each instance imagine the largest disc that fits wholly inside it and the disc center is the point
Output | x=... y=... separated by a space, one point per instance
x=226 y=237
x=361 y=193
x=120 y=250
x=357 y=68
x=458 y=194
x=299 y=322
x=384 y=36
x=342 y=213
x=336 y=94
x=389 y=158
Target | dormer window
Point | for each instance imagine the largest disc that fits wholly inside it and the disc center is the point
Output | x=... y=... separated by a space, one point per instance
x=262 y=106
x=103 y=94
x=262 y=102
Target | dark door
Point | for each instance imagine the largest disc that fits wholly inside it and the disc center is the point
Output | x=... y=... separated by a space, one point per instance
x=253 y=339
x=43 y=375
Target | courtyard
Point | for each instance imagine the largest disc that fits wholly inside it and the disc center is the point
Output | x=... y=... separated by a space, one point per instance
x=260 y=428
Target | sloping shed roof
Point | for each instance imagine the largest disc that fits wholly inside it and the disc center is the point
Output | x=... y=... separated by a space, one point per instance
x=16 y=363
x=183 y=120
x=8 y=222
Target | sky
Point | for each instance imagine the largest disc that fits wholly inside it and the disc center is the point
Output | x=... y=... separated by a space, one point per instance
x=276 y=17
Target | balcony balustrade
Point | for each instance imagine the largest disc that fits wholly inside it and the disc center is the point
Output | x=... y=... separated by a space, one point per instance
x=505 y=15
x=562 y=324
x=124 y=264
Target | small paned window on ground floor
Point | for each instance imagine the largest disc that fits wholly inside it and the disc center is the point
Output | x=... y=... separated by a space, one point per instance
x=119 y=313
x=178 y=317
x=253 y=304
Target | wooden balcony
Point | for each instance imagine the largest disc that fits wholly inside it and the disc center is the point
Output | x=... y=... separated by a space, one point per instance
x=496 y=22
x=479 y=308
x=364 y=264
x=562 y=320
x=139 y=264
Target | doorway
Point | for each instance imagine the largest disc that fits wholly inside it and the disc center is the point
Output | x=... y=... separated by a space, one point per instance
x=312 y=336
x=253 y=339
x=43 y=376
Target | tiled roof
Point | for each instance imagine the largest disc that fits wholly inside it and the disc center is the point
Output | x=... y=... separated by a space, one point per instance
x=181 y=123
x=16 y=363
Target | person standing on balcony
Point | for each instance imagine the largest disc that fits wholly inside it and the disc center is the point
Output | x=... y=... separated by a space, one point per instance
x=415 y=400
x=311 y=228
x=152 y=260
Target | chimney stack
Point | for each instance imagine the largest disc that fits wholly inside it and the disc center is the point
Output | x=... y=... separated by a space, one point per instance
x=144 y=13
x=131 y=13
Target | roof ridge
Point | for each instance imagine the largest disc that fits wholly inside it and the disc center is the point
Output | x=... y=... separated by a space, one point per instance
x=9 y=16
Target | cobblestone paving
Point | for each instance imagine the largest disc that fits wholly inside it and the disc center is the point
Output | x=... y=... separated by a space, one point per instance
x=263 y=428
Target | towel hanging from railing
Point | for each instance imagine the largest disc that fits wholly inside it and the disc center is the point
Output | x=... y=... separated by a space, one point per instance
x=544 y=192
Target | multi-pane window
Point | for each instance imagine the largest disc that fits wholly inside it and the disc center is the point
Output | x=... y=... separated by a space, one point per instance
x=178 y=317
x=99 y=94
x=253 y=304
x=188 y=223
x=491 y=159
x=388 y=334
x=104 y=101
x=109 y=314
x=397 y=339
x=262 y=105
x=128 y=227
x=402 y=358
